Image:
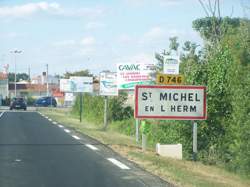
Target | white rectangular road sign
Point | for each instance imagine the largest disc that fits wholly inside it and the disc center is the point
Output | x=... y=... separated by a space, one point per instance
x=170 y=102
x=108 y=84
x=171 y=65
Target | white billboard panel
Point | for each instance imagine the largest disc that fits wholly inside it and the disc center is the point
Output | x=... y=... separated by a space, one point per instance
x=81 y=84
x=65 y=85
x=170 y=102
x=131 y=74
x=108 y=84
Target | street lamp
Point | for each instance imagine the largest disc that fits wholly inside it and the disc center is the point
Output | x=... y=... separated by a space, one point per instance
x=15 y=52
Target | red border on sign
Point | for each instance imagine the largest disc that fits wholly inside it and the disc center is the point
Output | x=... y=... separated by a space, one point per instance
x=204 y=117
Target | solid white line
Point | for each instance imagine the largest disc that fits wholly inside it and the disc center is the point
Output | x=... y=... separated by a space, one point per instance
x=1 y=114
x=76 y=137
x=67 y=130
x=118 y=163
x=54 y=122
x=60 y=126
x=92 y=147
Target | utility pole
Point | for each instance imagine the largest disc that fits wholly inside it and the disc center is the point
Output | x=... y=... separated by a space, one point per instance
x=29 y=74
x=15 y=52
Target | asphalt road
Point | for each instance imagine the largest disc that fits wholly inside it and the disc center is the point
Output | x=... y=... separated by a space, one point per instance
x=37 y=152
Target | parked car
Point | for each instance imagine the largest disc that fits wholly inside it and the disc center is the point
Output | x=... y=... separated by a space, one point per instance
x=45 y=102
x=18 y=103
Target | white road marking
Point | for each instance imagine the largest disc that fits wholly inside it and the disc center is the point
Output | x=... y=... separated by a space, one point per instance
x=54 y=122
x=60 y=126
x=118 y=163
x=92 y=147
x=46 y=117
x=50 y=119
x=76 y=137
x=1 y=114
x=67 y=130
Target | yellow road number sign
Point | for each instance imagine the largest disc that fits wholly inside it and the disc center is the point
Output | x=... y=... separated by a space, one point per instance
x=164 y=79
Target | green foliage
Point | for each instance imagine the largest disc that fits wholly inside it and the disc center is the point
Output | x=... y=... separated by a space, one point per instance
x=19 y=77
x=213 y=28
x=30 y=101
x=77 y=73
x=93 y=108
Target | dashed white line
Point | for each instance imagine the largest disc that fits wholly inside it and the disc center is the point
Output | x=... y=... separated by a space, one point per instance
x=60 y=126
x=50 y=119
x=76 y=137
x=54 y=122
x=92 y=147
x=118 y=163
x=46 y=117
x=1 y=114
x=67 y=130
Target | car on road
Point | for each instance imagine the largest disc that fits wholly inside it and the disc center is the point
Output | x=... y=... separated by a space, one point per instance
x=45 y=102
x=18 y=103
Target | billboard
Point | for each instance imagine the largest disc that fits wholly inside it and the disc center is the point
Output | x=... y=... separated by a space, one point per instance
x=171 y=65
x=65 y=85
x=108 y=84
x=81 y=84
x=131 y=74
x=170 y=102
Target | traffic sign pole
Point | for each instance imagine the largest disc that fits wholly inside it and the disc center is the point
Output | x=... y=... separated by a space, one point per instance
x=137 y=122
x=194 y=141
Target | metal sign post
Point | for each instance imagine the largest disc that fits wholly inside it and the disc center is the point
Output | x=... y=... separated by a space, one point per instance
x=194 y=141
x=105 y=119
x=137 y=122
x=81 y=102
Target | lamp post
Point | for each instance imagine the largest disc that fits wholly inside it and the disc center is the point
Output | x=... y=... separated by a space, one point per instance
x=15 y=52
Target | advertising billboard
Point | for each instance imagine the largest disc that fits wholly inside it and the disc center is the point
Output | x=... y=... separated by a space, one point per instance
x=131 y=74
x=81 y=84
x=108 y=84
x=65 y=85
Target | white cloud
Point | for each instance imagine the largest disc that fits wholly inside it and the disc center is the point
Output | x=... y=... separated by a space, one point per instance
x=88 y=41
x=28 y=9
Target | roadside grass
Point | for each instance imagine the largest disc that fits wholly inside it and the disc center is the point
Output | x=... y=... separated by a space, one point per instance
x=178 y=172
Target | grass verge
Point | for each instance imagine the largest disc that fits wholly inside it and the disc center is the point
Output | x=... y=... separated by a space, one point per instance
x=180 y=173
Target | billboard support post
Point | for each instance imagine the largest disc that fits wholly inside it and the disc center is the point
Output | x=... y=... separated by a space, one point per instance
x=81 y=102
x=194 y=141
x=105 y=121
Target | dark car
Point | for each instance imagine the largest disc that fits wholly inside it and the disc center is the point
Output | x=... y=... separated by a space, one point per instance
x=45 y=102
x=18 y=103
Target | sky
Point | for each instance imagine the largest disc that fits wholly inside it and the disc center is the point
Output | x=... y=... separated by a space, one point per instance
x=73 y=35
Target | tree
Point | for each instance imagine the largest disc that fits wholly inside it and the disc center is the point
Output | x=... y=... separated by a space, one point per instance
x=77 y=73
x=19 y=77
